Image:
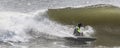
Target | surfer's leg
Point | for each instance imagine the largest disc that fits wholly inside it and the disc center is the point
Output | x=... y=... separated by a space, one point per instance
x=81 y=34
x=75 y=32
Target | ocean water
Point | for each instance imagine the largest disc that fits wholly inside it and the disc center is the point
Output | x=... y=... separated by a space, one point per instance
x=26 y=24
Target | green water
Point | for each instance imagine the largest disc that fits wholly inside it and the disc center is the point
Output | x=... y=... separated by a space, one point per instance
x=103 y=15
x=105 y=21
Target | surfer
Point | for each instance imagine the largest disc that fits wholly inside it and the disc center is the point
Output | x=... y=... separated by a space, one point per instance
x=81 y=36
x=77 y=30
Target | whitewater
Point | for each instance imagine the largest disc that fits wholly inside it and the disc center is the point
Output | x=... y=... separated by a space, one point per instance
x=22 y=27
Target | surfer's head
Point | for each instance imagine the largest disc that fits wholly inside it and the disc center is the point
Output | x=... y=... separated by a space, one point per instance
x=79 y=25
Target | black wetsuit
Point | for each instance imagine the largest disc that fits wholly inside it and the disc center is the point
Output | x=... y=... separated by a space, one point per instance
x=76 y=33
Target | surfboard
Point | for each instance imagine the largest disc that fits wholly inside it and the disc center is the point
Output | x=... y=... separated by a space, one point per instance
x=81 y=38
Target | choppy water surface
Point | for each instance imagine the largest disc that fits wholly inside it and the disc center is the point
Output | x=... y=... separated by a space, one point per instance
x=27 y=24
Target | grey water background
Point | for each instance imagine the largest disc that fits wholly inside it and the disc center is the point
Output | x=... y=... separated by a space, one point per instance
x=25 y=24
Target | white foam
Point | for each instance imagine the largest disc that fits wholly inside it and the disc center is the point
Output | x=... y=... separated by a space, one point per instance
x=19 y=23
x=88 y=31
x=15 y=22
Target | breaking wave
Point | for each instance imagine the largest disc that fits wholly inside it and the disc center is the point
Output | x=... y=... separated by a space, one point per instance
x=20 y=27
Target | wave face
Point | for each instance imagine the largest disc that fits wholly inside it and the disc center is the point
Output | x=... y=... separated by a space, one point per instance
x=27 y=24
x=94 y=14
